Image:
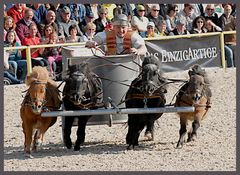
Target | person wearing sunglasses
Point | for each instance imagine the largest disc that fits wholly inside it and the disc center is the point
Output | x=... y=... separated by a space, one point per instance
x=120 y=40
x=171 y=17
x=210 y=14
x=154 y=15
x=198 y=25
x=102 y=21
x=188 y=14
x=139 y=22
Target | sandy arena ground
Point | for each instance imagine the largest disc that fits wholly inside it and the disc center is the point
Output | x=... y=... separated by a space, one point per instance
x=105 y=148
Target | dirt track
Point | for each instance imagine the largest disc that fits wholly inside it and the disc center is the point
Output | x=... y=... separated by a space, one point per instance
x=105 y=148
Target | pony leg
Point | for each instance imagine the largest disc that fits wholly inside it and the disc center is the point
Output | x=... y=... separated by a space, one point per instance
x=182 y=132
x=82 y=122
x=28 y=138
x=149 y=133
x=34 y=146
x=135 y=135
x=195 y=125
x=67 y=132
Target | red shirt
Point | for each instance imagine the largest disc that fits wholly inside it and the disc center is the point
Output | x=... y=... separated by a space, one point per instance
x=29 y=41
x=16 y=15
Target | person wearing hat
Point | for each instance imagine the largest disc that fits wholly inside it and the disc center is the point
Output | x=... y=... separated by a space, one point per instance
x=180 y=28
x=102 y=21
x=139 y=22
x=120 y=40
x=150 y=33
x=65 y=22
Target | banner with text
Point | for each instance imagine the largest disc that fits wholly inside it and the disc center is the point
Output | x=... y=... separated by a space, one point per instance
x=181 y=53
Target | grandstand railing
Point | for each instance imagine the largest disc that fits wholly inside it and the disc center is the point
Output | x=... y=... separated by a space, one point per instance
x=221 y=34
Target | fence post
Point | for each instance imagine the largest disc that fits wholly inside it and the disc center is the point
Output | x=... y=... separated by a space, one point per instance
x=222 y=49
x=29 y=63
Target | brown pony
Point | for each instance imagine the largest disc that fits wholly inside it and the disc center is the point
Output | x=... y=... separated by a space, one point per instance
x=41 y=96
x=195 y=92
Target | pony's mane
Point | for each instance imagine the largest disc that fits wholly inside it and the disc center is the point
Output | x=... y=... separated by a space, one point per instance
x=39 y=74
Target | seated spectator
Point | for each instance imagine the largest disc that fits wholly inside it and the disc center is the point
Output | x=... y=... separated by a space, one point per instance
x=163 y=10
x=198 y=25
x=49 y=20
x=180 y=28
x=139 y=22
x=188 y=15
x=210 y=14
x=227 y=19
x=218 y=9
x=73 y=38
x=92 y=8
x=22 y=28
x=9 y=77
x=150 y=33
x=39 y=13
x=48 y=29
x=14 y=56
x=78 y=12
x=65 y=23
x=16 y=12
x=90 y=30
x=9 y=25
x=102 y=21
x=212 y=27
x=162 y=28
x=52 y=54
x=154 y=14
x=110 y=8
x=171 y=17
x=30 y=40
x=89 y=18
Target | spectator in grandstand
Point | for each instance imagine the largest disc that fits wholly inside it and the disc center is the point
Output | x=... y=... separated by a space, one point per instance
x=188 y=15
x=150 y=33
x=49 y=20
x=16 y=12
x=78 y=12
x=52 y=54
x=22 y=28
x=210 y=14
x=126 y=9
x=54 y=7
x=30 y=40
x=163 y=10
x=117 y=40
x=15 y=57
x=154 y=14
x=93 y=8
x=48 y=29
x=9 y=25
x=110 y=8
x=139 y=22
x=9 y=77
x=65 y=23
x=73 y=35
x=102 y=21
x=90 y=29
x=227 y=19
x=218 y=9
x=89 y=18
x=211 y=26
x=162 y=28
x=171 y=17
x=198 y=25
x=180 y=28
x=40 y=12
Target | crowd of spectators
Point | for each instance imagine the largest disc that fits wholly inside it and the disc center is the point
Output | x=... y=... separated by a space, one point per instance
x=33 y=24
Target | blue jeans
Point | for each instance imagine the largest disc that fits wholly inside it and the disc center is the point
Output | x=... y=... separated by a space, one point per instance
x=229 y=56
x=11 y=77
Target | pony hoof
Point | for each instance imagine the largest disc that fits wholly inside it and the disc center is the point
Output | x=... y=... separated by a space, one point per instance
x=28 y=155
x=148 y=136
x=179 y=146
x=130 y=147
x=68 y=145
x=76 y=148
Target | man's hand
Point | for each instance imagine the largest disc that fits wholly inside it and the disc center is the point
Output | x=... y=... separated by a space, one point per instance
x=134 y=51
x=91 y=44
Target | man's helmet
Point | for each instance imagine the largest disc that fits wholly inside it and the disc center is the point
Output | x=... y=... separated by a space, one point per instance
x=121 y=20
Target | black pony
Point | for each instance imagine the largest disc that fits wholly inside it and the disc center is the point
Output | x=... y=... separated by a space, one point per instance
x=147 y=90
x=82 y=91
